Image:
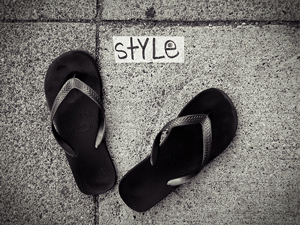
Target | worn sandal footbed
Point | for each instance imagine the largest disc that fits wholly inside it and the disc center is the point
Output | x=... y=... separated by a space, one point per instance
x=203 y=130
x=73 y=92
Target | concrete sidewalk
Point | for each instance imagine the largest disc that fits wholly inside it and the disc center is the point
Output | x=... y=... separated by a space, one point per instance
x=249 y=49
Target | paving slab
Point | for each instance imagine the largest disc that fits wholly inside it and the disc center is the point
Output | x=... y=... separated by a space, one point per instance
x=199 y=10
x=47 y=10
x=37 y=186
x=255 y=181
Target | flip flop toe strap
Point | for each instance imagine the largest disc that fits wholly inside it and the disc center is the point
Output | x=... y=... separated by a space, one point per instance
x=75 y=83
x=207 y=141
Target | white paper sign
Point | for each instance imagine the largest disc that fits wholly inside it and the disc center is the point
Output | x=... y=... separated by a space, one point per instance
x=145 y=49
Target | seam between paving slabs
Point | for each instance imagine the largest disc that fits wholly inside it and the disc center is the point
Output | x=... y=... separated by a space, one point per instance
x=98 y=17
x=98 y=21
x=96 y=208
x=133 y=22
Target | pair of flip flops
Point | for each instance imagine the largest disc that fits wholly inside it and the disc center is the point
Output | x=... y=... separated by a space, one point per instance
x=202 y=130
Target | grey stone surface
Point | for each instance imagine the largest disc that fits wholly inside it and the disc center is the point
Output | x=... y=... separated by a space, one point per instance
x=198 y=10
x=256 y=180
x=45 y=10
x=37 y=186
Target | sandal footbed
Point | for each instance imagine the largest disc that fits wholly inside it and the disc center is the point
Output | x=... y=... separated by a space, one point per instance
x=181 y=152
x=77 y=121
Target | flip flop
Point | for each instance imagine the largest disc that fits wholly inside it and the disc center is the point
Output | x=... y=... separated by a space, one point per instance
x=73 y=92
x=203 y=129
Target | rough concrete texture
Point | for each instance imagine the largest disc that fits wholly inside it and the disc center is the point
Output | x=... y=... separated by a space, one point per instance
x=45 y=10
x=37 y=186
x=256 y=180
x=199 y=10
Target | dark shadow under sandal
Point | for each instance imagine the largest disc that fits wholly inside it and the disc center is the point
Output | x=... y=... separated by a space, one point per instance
x=73 y=92
x=203 y=129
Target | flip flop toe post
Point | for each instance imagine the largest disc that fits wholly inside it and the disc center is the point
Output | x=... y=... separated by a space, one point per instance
x=73 y=92
x=203 y=130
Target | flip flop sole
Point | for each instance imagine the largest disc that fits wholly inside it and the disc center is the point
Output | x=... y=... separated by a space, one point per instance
x=77 y=121
x=181 y=151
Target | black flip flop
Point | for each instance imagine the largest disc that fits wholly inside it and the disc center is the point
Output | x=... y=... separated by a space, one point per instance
x=203 y=129
x=73 y=92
